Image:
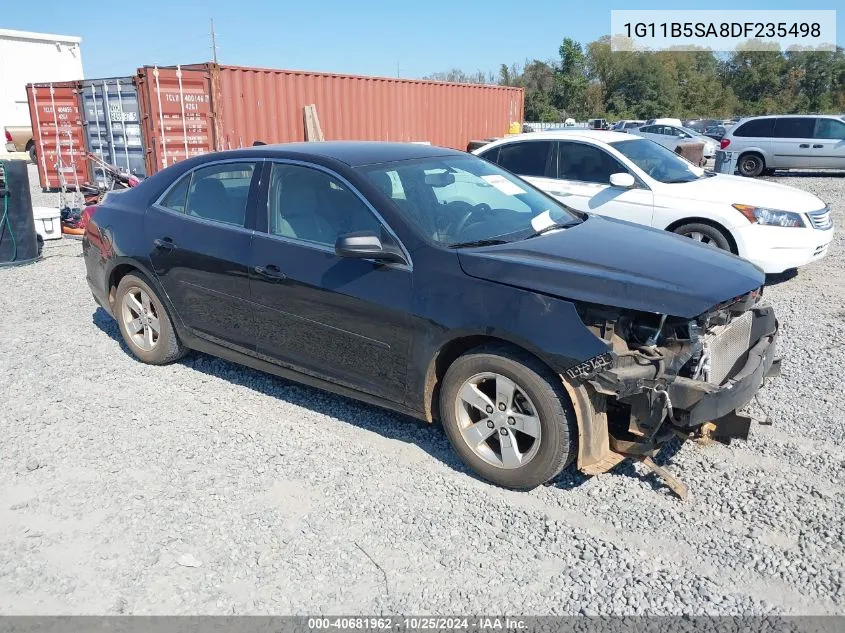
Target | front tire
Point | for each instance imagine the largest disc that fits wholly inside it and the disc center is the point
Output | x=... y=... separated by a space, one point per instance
x=751 y=165
x=508 y=417
x=144 y=323
x=706 y=234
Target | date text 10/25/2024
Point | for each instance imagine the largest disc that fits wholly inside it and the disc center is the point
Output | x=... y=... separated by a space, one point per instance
x=422 y=623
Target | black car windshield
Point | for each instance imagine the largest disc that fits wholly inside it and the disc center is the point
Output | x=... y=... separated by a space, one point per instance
x=463 y=200
x=657 y=161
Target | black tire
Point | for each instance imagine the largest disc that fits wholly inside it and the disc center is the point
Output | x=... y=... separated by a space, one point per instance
x=705 y=234
x=558 y=436
x=32 y=155
x=751 y=165
x=167 y=348
x=40 y=243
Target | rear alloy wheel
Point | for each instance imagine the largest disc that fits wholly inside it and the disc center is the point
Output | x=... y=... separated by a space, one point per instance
x=705 y=234
x=144 y=322
x=507 y=418
x=751 y=165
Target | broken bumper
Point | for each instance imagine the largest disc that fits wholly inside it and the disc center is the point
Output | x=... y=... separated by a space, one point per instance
x=704 y=402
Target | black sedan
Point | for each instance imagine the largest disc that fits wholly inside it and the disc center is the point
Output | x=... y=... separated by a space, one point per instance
x=437 y=284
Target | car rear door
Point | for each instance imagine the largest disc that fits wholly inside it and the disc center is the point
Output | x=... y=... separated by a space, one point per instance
x=583 y=183
x=339 y=319
x=530 y=160
x=199 y=234
x=792 y=142
x=828 y=150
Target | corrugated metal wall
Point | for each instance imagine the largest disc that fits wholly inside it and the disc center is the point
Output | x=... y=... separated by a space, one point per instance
x=189 y=110
x=267 y=105
x=58 y=134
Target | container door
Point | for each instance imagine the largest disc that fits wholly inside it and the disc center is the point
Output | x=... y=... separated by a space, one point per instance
x=58 y=134
x=176 y=114
x=112 y=126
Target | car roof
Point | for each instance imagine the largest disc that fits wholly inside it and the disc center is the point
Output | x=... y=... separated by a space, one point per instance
x=353 y=153
x=608 y=136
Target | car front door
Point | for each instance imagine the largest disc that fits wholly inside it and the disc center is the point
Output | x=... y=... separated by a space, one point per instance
x=828 y=150
x=792 y=142
x=338 y=319
x=199 y=234
x=583 y=183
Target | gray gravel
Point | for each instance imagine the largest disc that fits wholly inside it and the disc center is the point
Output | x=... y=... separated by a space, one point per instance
x=204 y=487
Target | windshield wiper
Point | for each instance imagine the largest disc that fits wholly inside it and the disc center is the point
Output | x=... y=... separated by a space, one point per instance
x=552 y=227
x=488 y=242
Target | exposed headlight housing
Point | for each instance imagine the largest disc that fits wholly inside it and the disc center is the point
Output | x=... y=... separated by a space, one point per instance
x=770 y=217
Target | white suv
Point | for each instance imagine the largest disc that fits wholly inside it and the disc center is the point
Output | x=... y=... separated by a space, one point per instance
x=631 y=178
x=763 y=144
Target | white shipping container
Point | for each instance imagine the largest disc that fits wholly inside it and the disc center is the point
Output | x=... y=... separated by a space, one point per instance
x=27 y=57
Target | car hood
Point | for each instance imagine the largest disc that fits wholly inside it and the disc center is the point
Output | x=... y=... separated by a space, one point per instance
x=740 y=190
x=618 y=264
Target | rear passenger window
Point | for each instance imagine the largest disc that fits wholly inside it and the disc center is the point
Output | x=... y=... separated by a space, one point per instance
x=788 y=127
x=175 y=198
x=525 y=159
x=758 y=127
x=220 y=192
x=829 y=129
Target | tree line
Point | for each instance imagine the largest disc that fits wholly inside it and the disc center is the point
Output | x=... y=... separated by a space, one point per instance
x=594 y=82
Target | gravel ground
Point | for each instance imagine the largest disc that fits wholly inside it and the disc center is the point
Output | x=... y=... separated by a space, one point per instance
x=204 y=487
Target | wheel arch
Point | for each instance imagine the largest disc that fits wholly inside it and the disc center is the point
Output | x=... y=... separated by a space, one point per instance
x=593 y=446
x=713 y=223
x=450 y=351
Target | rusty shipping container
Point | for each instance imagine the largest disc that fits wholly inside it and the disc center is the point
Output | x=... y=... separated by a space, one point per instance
x=58 y=134
x=176 y=114
x=253 y=104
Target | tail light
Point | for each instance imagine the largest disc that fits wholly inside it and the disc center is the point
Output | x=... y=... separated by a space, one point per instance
x=87 y=212
x=724 y=143
x=8 y=137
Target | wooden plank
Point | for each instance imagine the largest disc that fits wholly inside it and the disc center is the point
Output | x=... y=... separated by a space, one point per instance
x=313 y=131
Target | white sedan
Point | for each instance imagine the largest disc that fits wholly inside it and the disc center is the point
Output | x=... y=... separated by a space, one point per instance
x=630 y=178
x=670 y=136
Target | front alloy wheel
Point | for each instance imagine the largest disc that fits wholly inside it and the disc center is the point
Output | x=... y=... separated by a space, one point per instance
x=140 y=319
x=498 y=421
x=508 y=416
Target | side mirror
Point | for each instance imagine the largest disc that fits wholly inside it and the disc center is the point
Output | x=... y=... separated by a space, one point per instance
x=367 y=245
x=623 y=180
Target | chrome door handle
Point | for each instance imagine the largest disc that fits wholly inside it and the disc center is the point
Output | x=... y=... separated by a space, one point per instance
x=270 y=271
x=164 y=244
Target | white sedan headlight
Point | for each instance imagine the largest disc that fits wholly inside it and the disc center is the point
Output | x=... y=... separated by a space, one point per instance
x=770 y=217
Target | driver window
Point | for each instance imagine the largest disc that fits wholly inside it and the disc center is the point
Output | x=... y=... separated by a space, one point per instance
x=310 y=205
x=586 y=163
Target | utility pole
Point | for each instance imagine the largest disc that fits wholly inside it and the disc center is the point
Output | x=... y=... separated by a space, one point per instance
x=397 y=70
x=213 y=43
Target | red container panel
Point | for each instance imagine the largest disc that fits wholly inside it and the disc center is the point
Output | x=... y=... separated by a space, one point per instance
x=58 y=134
x=177 y=120
x=267 y=105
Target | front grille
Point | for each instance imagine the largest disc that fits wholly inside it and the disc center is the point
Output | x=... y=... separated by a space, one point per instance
x=727 y=344
x=821 y=219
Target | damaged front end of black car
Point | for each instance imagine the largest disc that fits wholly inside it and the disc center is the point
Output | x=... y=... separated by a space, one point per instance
x=666 y=376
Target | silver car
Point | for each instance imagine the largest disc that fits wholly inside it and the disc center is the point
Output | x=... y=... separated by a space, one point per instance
x=670 y=136
x=760 y=145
